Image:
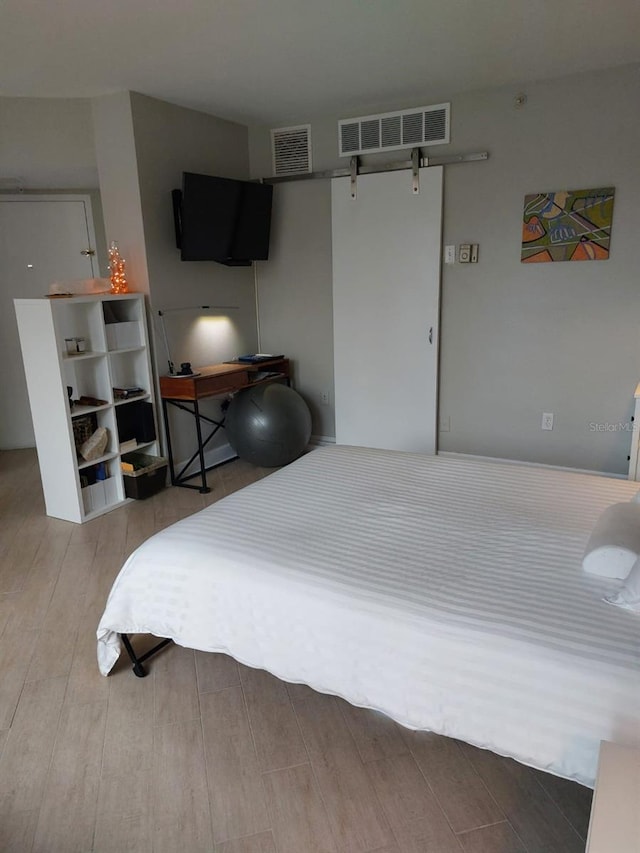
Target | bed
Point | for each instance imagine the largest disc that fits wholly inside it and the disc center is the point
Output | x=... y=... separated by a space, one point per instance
x=444 y=592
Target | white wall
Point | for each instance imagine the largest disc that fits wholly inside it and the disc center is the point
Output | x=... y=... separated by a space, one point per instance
x=296 y=315
x=47 y=143
x=135 y=148
x=168 y=141
x=143 y=147
x=47 y=146
x=119 y=184
x=516 y=340
x=522 y=339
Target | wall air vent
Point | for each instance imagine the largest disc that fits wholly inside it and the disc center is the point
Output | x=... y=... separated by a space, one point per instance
x=389 y=131
x=291 y=150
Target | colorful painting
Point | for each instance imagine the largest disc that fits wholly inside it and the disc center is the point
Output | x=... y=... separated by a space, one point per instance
x=570 y=225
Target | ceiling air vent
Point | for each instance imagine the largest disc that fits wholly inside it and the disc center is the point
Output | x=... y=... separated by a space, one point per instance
x=291 y=150
x=390 y=131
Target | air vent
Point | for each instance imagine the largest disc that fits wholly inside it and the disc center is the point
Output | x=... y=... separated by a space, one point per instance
x=390 y=131
x=291 y=150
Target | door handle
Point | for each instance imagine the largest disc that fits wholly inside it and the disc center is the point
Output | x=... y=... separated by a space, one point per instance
x=88 y=252
x=431 y=335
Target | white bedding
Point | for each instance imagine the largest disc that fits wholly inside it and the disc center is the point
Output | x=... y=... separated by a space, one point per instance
x=447 y=593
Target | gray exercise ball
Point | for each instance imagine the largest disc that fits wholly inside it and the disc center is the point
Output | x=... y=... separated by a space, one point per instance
x=268 y=425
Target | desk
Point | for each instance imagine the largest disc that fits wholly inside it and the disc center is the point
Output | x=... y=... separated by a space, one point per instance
x=215 y=380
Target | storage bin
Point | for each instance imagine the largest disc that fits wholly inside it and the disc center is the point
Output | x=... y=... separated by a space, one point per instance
x=146 y=480
x=94 y=497
x=122 y=335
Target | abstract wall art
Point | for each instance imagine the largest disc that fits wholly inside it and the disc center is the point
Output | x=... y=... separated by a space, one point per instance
x=568 y=225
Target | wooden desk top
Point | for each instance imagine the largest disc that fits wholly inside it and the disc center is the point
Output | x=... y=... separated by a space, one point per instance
x=217 y=379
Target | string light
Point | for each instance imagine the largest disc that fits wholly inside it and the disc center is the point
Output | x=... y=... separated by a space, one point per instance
x=116 y=270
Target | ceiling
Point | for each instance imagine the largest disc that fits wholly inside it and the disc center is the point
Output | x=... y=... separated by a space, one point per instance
x=279 y=61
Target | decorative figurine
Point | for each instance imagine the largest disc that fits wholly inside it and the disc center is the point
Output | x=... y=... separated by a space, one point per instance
x=116 y=270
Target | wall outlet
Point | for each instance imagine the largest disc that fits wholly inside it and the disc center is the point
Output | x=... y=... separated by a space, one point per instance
x=324 y=398
x=445 y=423
x=449 y=254
x=547 y=420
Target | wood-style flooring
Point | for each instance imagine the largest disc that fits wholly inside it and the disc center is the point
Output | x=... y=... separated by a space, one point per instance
x=205 y=754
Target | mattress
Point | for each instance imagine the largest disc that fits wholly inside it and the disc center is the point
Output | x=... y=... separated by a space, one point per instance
x=446 y=593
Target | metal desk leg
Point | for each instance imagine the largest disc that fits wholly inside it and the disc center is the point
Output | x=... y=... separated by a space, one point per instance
x=204 y=489
x=165 y=415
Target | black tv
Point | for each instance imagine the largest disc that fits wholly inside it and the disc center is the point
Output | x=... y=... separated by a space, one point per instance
x=223 y=220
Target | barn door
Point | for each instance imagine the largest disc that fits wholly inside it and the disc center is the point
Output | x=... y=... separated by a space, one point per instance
x=386 y=293
x=42 y=239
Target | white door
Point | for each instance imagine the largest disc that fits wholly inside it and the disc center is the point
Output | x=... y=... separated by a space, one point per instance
x=41 y=241
x=386 y=294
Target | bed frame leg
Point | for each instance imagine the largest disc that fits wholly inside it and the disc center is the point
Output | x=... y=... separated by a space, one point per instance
x=138 y=669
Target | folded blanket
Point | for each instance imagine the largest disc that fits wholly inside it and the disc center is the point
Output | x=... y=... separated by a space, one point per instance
x=614 y=544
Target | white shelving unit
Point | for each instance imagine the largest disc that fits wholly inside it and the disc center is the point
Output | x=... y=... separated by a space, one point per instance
x=116 y=356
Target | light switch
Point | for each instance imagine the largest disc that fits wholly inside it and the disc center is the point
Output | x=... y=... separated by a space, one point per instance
x=474 y=253
x=464 y=253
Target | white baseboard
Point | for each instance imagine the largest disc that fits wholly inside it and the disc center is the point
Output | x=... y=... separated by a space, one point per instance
x=215 y=456
x=225 y=453
x=322 y=440
x=453 y=453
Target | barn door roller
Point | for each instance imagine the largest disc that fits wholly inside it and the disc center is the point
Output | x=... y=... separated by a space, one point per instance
x=354 y=169
x=353 y=182
x=415 y=171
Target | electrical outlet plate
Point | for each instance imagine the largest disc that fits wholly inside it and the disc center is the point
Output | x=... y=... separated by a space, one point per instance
x=547 y=420
x=445 y=423
x=464 y=253
x=324 y=398
x=449 y=254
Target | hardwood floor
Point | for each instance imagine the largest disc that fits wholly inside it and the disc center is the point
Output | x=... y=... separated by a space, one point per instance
x=205 y=754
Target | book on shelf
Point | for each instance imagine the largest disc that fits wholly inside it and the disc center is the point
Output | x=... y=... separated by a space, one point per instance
x=254 y=358
x=128 y=446
x=128 y=393
x=85 y=400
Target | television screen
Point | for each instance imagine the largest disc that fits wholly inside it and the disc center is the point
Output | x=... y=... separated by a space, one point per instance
x=224 y=220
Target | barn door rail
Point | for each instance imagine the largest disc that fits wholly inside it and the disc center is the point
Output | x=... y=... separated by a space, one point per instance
x=355 y=168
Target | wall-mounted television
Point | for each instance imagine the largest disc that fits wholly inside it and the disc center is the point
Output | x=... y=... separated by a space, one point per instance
x=221 y=219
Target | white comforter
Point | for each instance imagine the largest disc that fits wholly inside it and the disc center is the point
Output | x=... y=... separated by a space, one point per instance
x=446 y=593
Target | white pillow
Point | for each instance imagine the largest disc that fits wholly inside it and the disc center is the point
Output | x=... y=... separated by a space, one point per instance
x=629 y=595
x=614 y=544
